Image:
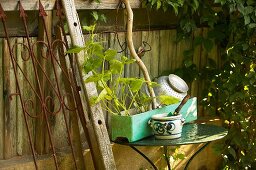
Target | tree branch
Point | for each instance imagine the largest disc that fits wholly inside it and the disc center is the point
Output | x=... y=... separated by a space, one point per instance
x=133 y=53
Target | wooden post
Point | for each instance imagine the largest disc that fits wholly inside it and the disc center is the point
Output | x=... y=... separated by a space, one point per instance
x=105 y=158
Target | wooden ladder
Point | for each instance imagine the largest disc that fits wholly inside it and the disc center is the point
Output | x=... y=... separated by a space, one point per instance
x=98 y=136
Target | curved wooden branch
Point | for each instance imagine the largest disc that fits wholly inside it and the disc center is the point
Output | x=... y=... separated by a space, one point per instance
x=133 y=51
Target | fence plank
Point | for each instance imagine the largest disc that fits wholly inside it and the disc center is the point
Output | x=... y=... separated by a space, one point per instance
x=164 y=41
x=1 y=102
x=150 y=59
x=181 y=47
x=172 y=44
x=27 y=94
x=9 y=105
x=20 y=118
x=134 y=70
x=11 y=5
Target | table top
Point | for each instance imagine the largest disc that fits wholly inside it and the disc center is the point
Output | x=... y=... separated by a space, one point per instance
x=191 y=134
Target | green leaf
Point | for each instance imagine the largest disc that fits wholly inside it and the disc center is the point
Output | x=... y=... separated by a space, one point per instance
x=136 y=84
x=180 y=156
x=248 y=10
x=158 y=4
x=252 y=25
x=188 y=53
x=95 y=15
x=208 y=44
x=92 y=64
x=116 y=66
x=126 y=60
x=101 y=96
x=110 y=54
x=167 y=100
x=98 y=77
x=89 y=28
x=188 y=63
x=75 y=49
x=232 y=151
x=198 y=41
x=247 y=19
x=103 y=18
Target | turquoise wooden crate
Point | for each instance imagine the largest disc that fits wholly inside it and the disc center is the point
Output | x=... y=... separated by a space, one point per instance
x=136 y=127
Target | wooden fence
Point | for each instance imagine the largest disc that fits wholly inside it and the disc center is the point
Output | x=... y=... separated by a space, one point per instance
x=166 y=55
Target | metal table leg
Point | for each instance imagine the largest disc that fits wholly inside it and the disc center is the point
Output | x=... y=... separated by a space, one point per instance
x=144 y=156
x=193 y=156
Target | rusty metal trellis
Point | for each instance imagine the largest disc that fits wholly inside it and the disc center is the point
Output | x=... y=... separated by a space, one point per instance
x=50 y=52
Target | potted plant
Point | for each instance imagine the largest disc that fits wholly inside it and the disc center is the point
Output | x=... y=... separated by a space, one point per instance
x=122 y=97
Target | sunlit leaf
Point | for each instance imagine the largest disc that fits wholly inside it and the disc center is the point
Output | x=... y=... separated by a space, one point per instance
x=75 y=49
x=136 y=84
x=110 y=54
x=167 y=100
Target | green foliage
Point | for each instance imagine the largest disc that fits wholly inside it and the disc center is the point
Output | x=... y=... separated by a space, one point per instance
x=230 y=88
x=165 y=4
x=116 y=93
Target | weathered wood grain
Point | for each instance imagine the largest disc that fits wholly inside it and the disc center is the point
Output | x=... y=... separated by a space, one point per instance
x=27 y=94
x=134 y=70
x=104 y=158
x=164 y=42
x=172 y=49
x=151 y=57
x=1 y=102
x=20 y=118
x=9 y=105
x=11 y=5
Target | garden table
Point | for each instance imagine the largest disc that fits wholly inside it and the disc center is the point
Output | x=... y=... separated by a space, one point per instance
x=192 y=133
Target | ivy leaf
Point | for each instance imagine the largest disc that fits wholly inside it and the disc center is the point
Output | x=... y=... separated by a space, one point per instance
x=195 y=5
x=232 y=152
x=198 y=41
x=208 y=44
x=158 y=4
x=188 y=63
x=252 y=25
x=247 y=19
x=215 y=34
x=248 y=10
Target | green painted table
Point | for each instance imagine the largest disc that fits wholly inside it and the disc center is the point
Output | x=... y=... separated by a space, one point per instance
x=191 y=134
